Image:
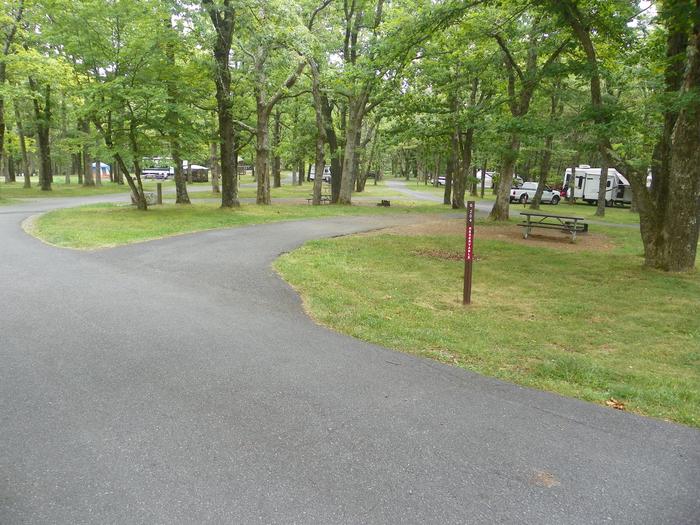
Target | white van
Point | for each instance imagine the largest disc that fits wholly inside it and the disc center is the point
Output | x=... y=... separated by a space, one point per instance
x=586 y=181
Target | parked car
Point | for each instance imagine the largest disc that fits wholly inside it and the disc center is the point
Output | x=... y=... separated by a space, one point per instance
x=526 y=193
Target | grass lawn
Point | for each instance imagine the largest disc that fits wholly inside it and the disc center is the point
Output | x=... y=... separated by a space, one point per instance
x=15 y=190
x=586 y=323
x=104 y=225
x=299 y=192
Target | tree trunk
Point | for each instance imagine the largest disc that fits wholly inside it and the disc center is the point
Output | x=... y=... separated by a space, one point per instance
x=276 y=159
x=321 y=134
x=11 y=168
x=262 y=155
x=319 y=165
x=139 y=195
x=436 y=177
x=451 y=165
x=670 y=225
x=2 y=116
x=501 y=207
x=223 y=18
x=302 y=169
x=141 y=202
x=181 y=195
x=118 y=173
x=574 y=17
x=43 y=127
x=23 y=149
x=214 y=163
x=172 y=118
x=545 y=163
x=462 y=143
x=483 y=177
x=88 y=179
x=79 y=166
x=473 y=185
x=358 y=155
x=546 y=159
x=572 y=181
x=602 y=186
x=98 y=172
x=351 y=143
x=362 y=181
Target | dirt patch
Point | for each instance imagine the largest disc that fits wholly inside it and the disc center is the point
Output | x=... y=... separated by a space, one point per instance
x=509 y=233
x=542 y=478
x=439 y=254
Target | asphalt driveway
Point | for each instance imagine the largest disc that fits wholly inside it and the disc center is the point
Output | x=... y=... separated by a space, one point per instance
x=179 y=381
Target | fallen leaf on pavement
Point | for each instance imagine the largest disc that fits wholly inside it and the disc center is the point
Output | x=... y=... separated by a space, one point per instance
x=614 y=403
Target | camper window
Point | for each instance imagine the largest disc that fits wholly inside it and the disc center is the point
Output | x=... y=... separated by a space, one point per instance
x=608 y=184
x=580 y=182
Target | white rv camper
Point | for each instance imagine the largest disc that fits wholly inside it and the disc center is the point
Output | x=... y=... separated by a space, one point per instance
x=488 y=182
x=586 y=182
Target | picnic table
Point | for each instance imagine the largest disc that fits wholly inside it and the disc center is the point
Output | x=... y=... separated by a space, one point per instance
x=564 y=223
x=325 y=198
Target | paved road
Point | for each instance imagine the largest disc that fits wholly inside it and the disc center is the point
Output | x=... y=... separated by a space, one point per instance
x=179 y=381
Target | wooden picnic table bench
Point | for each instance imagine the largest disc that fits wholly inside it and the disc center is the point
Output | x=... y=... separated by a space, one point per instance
x=325 y=198
x=564 y=223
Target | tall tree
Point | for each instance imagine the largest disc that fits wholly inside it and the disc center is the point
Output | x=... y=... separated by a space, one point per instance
x=172 y=116
x=223 y=18
x=41 y=102
x=362 y=20
x=669 y=209
x=12 y=18
x=523 y=80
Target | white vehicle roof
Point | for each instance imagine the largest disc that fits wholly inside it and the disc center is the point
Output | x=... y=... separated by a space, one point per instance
x=596 y=172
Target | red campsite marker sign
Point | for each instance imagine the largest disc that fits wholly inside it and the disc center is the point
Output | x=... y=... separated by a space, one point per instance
x=468 y=253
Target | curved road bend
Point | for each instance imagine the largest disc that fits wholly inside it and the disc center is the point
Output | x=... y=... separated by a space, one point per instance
x=179 y=381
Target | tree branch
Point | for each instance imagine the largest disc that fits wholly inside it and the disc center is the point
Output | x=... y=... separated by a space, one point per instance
x=509 y=58
x=244 y=126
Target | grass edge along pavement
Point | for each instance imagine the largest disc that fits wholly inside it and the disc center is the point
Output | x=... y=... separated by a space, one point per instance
x=114 y=225
x=615 y=333
x=13 y=191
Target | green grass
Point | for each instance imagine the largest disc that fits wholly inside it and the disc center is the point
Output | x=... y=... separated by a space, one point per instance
x=590 y=324
x=299 y=192
x=103 y=225
x=15 y=190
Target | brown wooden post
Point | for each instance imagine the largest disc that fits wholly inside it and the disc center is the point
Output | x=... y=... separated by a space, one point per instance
x=159 y=193
x=468 y=253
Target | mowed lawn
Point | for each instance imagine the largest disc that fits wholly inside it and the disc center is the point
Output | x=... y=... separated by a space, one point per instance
x=586 y=323
x=289 y=191
x=16 y=190
x=105 y=225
